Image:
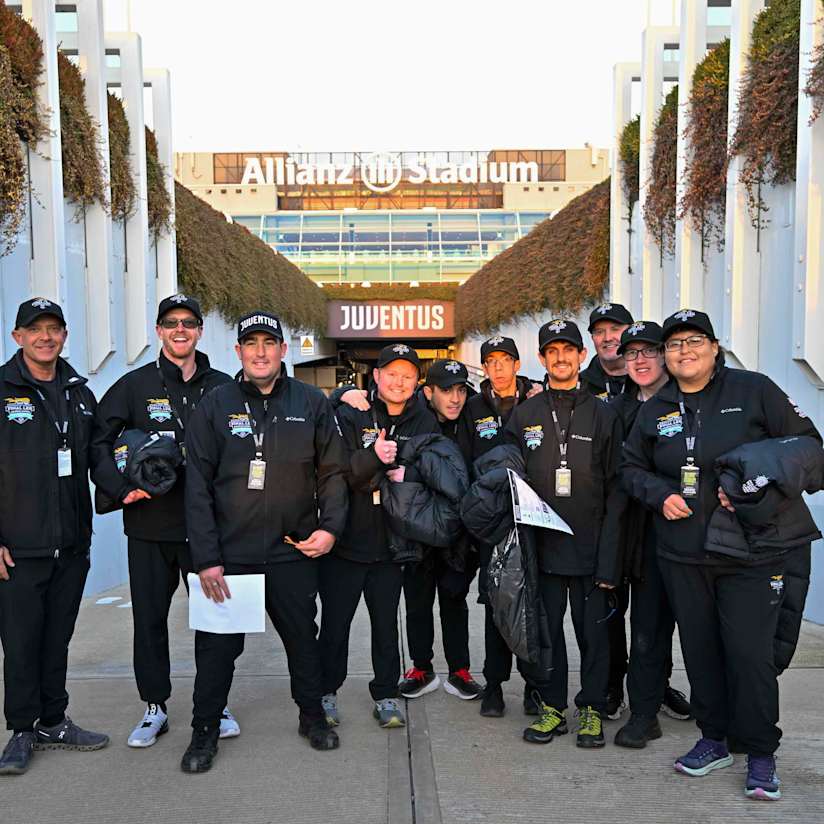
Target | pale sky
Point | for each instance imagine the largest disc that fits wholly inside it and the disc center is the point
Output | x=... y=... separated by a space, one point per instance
x=390 y=75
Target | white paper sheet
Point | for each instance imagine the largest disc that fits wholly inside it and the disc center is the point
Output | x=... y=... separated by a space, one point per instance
x=243 y=612
x=530 y=509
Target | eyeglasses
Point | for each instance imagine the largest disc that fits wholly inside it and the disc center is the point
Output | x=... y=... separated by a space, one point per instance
x=647 y=352
x=173 y=323
x=693 y=342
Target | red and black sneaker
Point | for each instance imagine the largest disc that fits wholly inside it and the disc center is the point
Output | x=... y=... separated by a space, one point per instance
x=463 y=685
x=417 y=682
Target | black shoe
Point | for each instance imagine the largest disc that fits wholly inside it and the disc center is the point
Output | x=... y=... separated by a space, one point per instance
x=492 y=701
x=531 y=707
x=615 y=703
x=201 y=751
x=637 y=731
x=676 y=705
x=17 y=754
x=67 y=736
x=321 y=736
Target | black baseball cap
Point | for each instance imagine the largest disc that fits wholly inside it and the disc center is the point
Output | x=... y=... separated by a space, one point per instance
x=259 y=321
x=30 y=310
x=559 y=329
x=609 y=311
x=499 y=343
x=398 y=351
x=689 y=319
x=445 y=373
x=647 y=331
x=179 y=301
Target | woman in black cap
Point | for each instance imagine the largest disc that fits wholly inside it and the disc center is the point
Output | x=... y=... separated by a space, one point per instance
x=726 y=607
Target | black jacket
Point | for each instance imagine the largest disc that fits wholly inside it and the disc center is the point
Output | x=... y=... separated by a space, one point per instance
x=365 y=537
x=764 y=482
x=138 y=401
x=593 y=510
x=736 y=407
x=606 y=387
x=42 y=515
x=304 y=488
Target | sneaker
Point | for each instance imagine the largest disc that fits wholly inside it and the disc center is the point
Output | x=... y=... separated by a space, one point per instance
x=18 y=754
x=229 y=727
x=707 y=755
x=637 y=731
x=67 y=736
x=463 y=685
x=155 y=722
x=417 y=682
x=590 y=732
x=201 y=751
x=615 y=703
x=329 y=703
x=762 y=779
x=389 y=713
x=531 y=707
x=319 y=732
x=492 y=701
x=676 y=705
x=551 y=722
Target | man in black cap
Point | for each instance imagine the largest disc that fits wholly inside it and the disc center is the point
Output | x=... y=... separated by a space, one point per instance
x=265 y=494
x=158 y=397
x=45 y=533
x=445 y=390
x=571 y=443
x=486 y=414
x=360 y=563
x=606 y=374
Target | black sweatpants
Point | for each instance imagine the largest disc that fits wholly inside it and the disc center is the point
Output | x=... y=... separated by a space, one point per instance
x=727 y=617
x=589 y=607
x=38 y=610
x=291 y=603
x=341 y=584
x=420 y=583
x=651 y=624
x=617 y=632
x=155 y=570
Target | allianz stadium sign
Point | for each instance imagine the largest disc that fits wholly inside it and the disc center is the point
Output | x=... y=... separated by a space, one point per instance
x=383 y=171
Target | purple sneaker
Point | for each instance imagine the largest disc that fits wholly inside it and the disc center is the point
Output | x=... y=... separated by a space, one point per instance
x=707 y=755
x=762 y=779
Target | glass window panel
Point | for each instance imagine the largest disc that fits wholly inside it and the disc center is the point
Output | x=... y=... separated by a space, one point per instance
x=505 y=234
x=250 y=222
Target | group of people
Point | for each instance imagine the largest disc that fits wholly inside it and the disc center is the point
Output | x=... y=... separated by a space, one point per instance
x=649 y=454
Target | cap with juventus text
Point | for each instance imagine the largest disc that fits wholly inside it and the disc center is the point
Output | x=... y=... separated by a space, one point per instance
x=559 y=329
x=259 y=321
x=499 y=343
x=30 y=310
x=179 y=301
x=398 y=351
x=609 y=311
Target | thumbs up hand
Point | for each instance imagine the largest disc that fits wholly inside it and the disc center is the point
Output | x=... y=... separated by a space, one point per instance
x=385 y=450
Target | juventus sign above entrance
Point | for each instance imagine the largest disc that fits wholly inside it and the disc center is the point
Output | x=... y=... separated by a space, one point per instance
x=368 y=319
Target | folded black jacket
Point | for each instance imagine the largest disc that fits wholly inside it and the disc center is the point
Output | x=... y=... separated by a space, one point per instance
x=139 y=401
x=42 y=515
x=304 y=488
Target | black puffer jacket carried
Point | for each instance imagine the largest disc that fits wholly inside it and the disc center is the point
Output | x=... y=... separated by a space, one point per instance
x=764 y=482
x=423 y=510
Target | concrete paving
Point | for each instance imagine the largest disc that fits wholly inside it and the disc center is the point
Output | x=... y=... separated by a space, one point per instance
x=449 y=764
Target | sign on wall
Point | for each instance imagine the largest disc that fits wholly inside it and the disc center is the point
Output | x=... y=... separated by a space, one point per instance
x=368 y=319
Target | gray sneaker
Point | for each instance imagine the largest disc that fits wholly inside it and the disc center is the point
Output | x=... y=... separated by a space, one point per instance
x=17 y=754
x=389 y=713
x=67 y=736
x=329 y=702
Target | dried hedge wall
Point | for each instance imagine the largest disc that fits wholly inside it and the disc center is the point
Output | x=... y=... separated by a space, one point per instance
x=124 y=191
x=562 y=264
x=442 y=291
x=229 y=269
x=659 y=204
x=160 y=204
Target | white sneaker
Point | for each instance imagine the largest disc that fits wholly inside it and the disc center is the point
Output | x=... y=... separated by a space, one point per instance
x=229 y=727
x=155 y=722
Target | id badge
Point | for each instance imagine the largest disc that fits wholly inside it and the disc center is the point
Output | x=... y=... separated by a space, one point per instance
x=376 y=497
x=257 y=474
x=563 y=482
x=168 y=433
x=690 y=476
x=64 y=463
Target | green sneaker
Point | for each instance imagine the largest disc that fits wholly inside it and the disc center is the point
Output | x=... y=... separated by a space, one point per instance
x=550 y=722
x=590 y=733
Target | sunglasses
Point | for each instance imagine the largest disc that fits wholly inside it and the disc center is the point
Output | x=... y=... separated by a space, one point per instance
x=187 y=323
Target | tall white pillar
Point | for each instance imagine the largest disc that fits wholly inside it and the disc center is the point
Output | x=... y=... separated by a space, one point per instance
x=742 y=261
x=164 y=245
x=92 y=61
